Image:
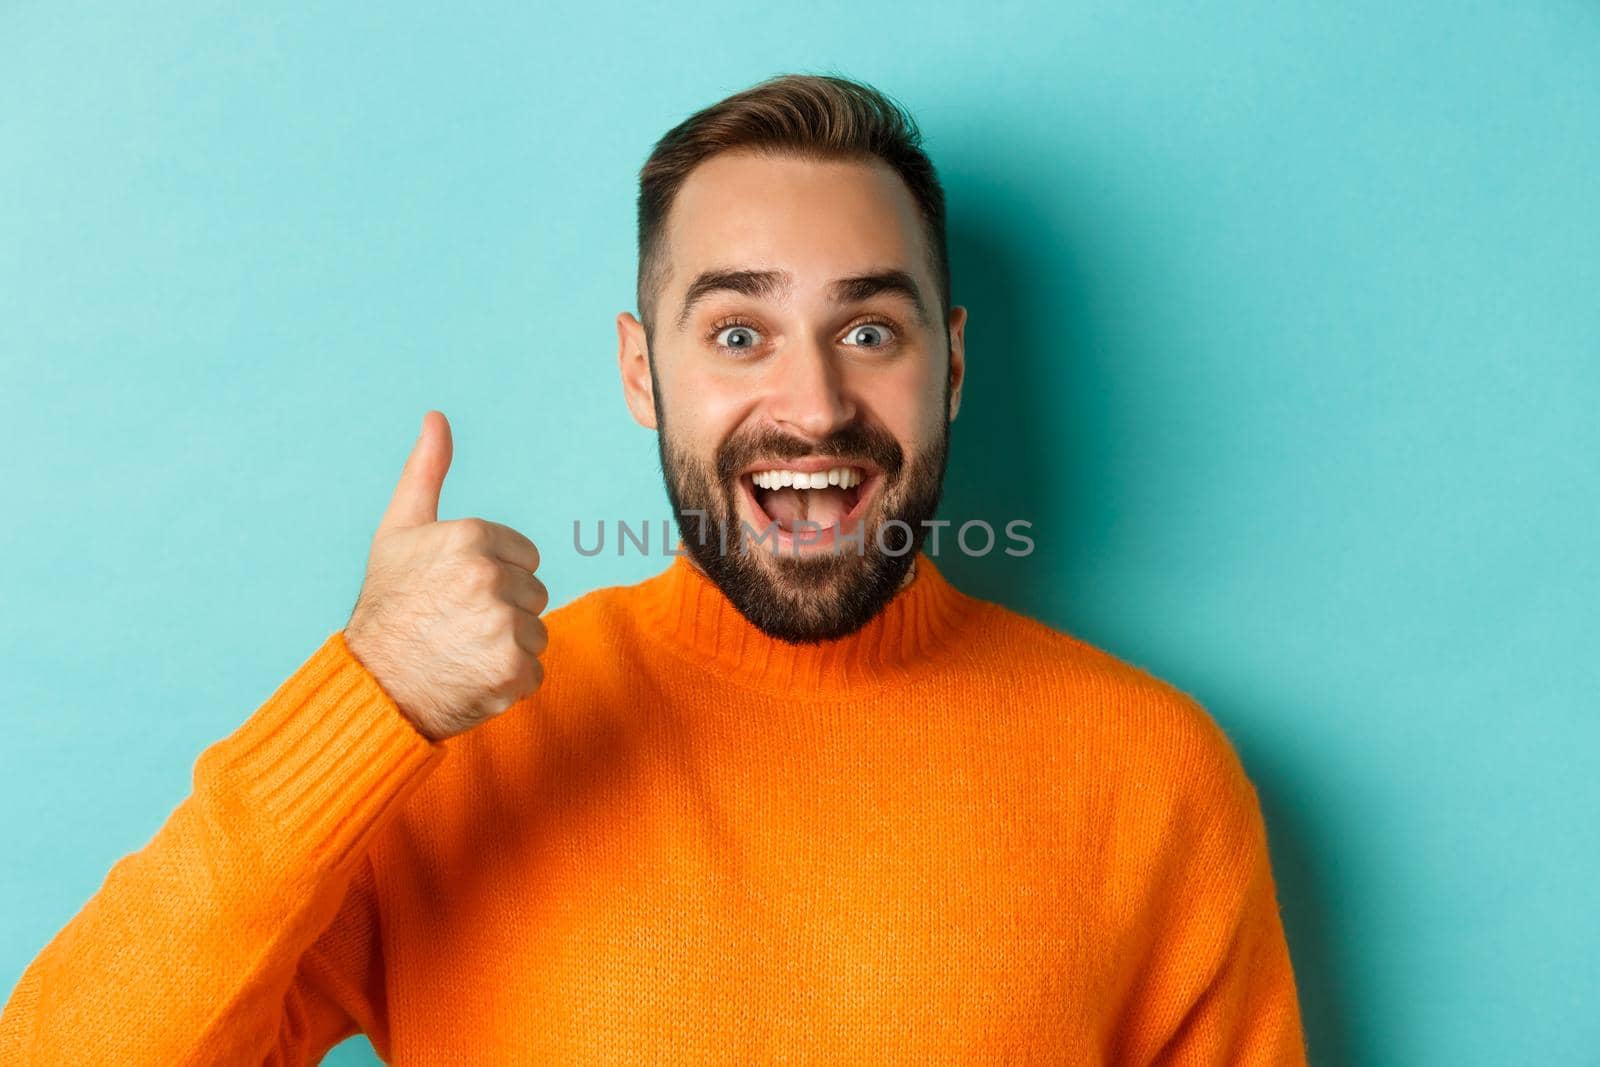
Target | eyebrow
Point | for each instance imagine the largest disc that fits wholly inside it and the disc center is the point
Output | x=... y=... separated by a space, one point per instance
x=775 y=284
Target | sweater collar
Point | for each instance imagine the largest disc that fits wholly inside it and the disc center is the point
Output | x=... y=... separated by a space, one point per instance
x=685 y=609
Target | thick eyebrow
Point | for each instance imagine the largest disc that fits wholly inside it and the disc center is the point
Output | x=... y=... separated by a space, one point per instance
x=859 y=287
x=761 y=284
x=769 y=284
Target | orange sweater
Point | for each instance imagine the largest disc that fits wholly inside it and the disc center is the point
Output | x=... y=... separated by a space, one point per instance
x=956 y=836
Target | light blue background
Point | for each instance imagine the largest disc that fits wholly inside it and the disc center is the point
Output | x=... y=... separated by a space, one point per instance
x=1285 y=335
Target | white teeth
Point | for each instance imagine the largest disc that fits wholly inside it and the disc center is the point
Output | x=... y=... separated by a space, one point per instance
x=844 y=477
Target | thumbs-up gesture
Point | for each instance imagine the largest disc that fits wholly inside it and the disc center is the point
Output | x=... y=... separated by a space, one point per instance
x=448 y=615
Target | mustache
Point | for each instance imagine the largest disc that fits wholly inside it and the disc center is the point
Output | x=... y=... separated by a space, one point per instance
x=856 y=441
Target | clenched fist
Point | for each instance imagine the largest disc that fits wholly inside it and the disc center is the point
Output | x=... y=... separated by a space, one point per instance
x=448 y=615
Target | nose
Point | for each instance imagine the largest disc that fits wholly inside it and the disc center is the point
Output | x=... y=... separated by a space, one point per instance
x=808 y=392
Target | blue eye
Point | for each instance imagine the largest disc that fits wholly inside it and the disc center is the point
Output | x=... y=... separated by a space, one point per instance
x=739 y=338
x=870 y=329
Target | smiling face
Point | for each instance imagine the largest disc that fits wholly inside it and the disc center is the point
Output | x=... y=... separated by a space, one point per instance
x=802 y=379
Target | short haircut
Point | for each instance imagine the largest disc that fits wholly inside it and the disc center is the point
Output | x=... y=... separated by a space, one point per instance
x=812 y=116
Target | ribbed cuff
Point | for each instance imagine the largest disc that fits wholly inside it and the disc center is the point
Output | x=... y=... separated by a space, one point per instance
x=323 y=762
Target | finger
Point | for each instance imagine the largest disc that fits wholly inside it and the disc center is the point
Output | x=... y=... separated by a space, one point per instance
x=510 y=546
x=524 y=590
x=530 y=634
x=416 y=496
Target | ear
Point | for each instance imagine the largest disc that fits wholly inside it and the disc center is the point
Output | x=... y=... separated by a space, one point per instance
x=958 y=357
x=633 y=361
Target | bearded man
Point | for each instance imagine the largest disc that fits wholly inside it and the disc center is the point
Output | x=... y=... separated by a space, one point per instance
x=795 y=798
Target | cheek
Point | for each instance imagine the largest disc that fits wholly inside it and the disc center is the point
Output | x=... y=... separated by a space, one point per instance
x=908 y=401
x=702 y=412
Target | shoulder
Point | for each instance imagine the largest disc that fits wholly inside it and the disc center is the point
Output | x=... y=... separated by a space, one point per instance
x=1156 y=737
x=1149 y=764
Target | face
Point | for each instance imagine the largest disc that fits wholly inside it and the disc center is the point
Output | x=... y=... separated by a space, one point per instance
x=802 y=381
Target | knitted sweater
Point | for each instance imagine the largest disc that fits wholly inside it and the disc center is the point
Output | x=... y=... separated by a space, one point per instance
x=955 y=836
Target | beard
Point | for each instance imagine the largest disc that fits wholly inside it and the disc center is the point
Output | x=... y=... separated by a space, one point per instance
x=826 y=593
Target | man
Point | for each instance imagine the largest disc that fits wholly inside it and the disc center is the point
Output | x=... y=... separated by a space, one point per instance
x=795 y=798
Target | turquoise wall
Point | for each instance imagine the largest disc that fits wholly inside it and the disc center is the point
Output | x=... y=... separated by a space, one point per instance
x=1284 y=335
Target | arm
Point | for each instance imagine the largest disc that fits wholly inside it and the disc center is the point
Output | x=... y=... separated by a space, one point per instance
x=1247 y=1013
x=244 y=930
x=1210 y=982
x=338 y=988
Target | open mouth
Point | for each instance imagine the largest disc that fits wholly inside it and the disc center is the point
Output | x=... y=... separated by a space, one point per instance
x=808 y=502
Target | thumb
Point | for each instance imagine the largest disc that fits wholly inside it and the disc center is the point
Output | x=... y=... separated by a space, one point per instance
x=416 y=496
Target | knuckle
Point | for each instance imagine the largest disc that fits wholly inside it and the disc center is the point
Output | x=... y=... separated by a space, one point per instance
x=469 y=534
x=528 y=679
x=494 y=704
x=511 y=663
x=483 y=573
x=538 y=636
x=518 y=681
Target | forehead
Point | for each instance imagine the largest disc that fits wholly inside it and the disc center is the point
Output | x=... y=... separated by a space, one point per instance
x=818 y=219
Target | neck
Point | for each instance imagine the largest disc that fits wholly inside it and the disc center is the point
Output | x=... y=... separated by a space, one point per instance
x=683 y=608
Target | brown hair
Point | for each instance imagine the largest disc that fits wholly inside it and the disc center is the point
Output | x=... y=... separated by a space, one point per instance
x=815 y=116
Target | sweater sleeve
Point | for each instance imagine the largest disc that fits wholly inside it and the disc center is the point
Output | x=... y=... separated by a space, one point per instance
x=339 y=986
x=1213 y=983
x=244 y=931
x=1247 y=1014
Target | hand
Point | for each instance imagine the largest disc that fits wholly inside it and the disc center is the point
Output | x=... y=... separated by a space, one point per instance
x=448 y=615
